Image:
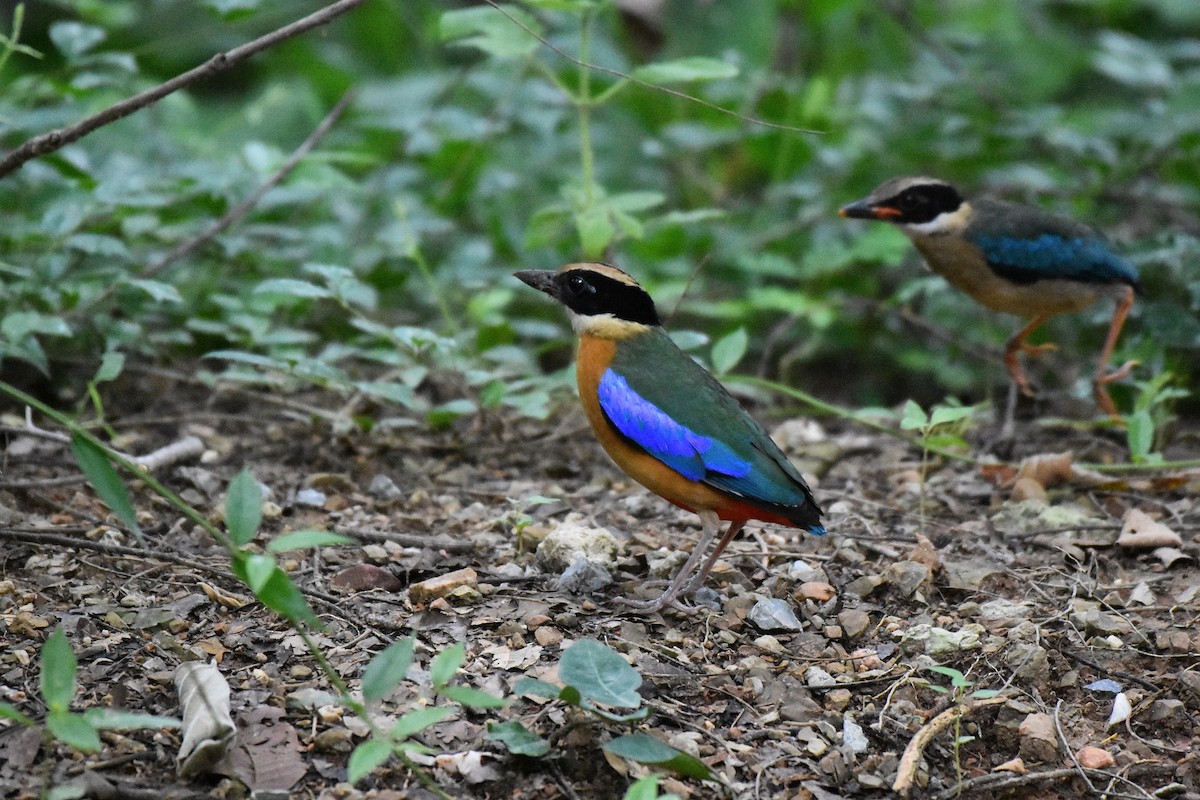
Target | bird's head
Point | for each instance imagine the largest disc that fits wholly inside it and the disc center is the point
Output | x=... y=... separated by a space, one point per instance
x=918 y=206
x=601 y=299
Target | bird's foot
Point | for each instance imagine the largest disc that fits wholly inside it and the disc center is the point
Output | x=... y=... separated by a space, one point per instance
x=1038 y=349
x=664 y=600
x=1117 y=374
x=1099 y=391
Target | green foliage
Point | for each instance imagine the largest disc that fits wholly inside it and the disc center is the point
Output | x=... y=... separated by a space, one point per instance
x=383 y=674
x=380 y=265
x=108 y=484
x=57 y=686
x=593 y=675
x=1151 y=411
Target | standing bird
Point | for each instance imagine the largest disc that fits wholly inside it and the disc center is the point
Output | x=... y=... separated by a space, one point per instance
x=667 y=422
x=1012 y=258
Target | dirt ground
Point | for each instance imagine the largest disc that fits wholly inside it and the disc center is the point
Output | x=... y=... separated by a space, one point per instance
x=1033 y=600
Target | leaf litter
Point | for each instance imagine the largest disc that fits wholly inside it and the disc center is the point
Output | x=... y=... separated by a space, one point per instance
x=1030 y=594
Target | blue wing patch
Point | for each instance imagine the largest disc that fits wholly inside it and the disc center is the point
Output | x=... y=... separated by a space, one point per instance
x=690 y=454
x=1050 y=256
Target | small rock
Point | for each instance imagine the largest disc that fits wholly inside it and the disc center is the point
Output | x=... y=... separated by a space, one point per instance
x=833 y=632
x=1001 y=613
x=1166 y=709
x=375 y=552
x=1098 y=623
x=863 y=585
x=817 y=678
x=1094 y=758
x=773 y=614
x=933 y=640
x=1039 y=742
x=770 y=644
x=314 y=498
x=854 y=622
x=802 y=571
x=442 y=585
x=584 y=577
x=1030 y=662
x=853 y=736
x=663 y=564
x=1189 y=685
x=838 y=699
x=570 y=542
x=384 y=488
x=334 y=740
x=547 y=636
x=815 y=591
x=363 y=577
x=906 y=577
x=925 y=553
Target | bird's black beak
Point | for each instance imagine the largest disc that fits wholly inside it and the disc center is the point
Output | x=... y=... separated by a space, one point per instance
x=865 y=209
x=541 y=279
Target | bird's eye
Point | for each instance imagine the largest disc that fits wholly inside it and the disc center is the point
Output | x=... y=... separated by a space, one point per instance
x=910 y=200
x=577 y=284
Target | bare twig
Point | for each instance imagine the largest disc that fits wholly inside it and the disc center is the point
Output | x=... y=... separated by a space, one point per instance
x=57 y=139
x=186 y=447
x=907 y=771
x=243 y=208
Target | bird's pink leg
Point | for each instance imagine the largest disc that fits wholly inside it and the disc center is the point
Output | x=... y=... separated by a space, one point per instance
x=1103 y=376
x=681 y=584
x=698 y=581
x=1017 y=345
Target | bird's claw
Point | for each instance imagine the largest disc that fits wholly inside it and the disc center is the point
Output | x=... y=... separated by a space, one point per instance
x=1101 y=393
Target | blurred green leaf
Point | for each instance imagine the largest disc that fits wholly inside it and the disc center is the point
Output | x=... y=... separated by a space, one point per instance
x=518 y=739
x=600 y=674
x=645 y=749
x=682 y=70
x=105 y=480
x=387 y=669
x=494 y=30
x=243 y=508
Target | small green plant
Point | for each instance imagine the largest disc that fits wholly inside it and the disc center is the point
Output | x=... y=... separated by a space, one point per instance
x=385 y=672
x=57 y=686
x=941 y=429
x=958 y=692
x=1151 y=411
x=647 y=789
x=601 y=218
x=595 y=678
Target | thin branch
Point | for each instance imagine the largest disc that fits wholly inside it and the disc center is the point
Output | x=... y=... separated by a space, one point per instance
x=243 y=208
x=907 y=771
x=57 y=139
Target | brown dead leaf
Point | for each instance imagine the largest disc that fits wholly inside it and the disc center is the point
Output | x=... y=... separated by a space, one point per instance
x=1013 y=765
x=221 y=598
x=925 y=553
x=1139 y=530
x=1027 y=488
x=1048 y=469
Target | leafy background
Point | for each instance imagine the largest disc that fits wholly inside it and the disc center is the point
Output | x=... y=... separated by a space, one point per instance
x=382 y=264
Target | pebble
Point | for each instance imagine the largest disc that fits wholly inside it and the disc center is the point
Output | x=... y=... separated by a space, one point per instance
x=906 y=577
x=570 y=542
x=854 y=622
x=814 y=590
x=1094 y=758
x=817 y=678
x=770 y=644
x=838 y=699
x=584 y=577
x=773 y=614
x=853 y=736
x=314 y=498
x=1039 y=742
x=442 y=585
x=384 y=488
x=802 y=571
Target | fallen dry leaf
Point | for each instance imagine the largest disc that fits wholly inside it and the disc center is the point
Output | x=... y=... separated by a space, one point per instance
x=1139 y=530
x=1048 y=469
